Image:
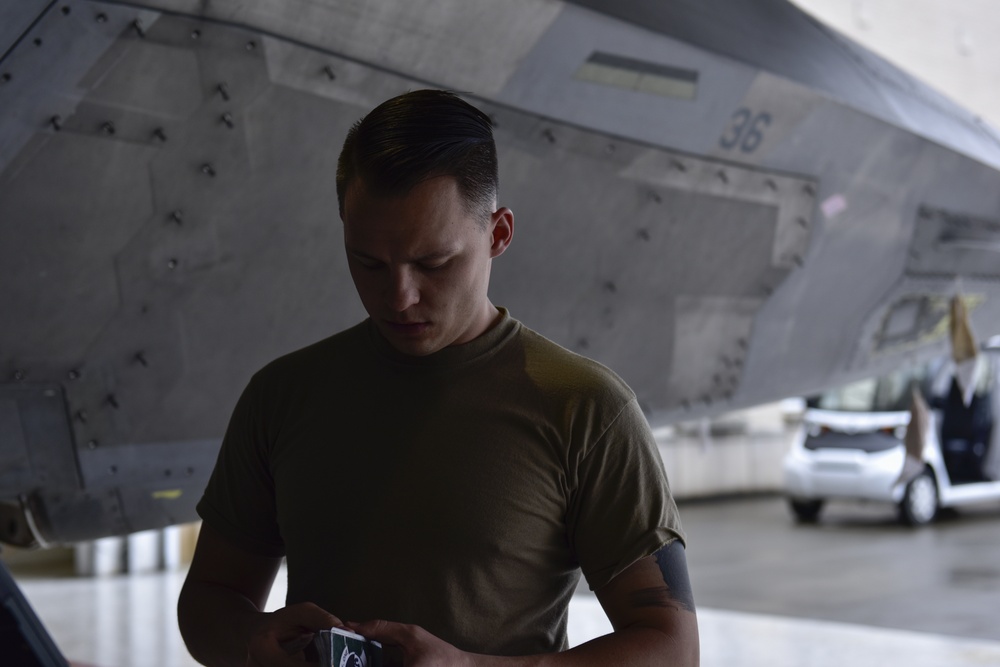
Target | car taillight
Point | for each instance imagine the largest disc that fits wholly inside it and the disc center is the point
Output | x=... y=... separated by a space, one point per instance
x=815 y=430
x=898 y=432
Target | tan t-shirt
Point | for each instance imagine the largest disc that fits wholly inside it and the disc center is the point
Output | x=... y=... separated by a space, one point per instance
x=462 y=491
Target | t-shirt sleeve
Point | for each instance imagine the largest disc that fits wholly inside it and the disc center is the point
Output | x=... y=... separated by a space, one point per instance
x=622 y=509
x=239 y=501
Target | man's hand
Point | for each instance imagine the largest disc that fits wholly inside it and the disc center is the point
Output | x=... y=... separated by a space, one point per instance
x=279 y=639
x=411 y=645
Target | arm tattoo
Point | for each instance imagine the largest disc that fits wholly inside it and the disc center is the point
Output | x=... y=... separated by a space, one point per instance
x=677 y=589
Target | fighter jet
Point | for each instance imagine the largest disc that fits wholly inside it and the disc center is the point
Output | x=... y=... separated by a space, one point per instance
x=724 y=201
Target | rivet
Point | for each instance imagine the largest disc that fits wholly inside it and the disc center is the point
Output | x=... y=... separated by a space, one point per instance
x=167 y=472
x=207 y=168
x=742 y=342
x=251 y=45
x=223 y=90
x=723 y=176
x=137 y=26
x=108 y=127
x=112 y=400
x=809 y=190
x=190 y=471
x=583 y=343
x=66 y=10
x=38 y=41
x=6 y=77
x=643 y=234
x=18 y=375
x=177 y=217
x=678 y=165
x=56 y=123
x=160 y=134
x=771 y=185
x=798 y=260
x=101 y=18
x=227 y=118
x=802 y=222
x=329 y=72
x=91 y=444
x=172 y=264
x=81 y=416
x=140 y=358
x=610 y=287
x=195 y=34
x=113 y=470
x=73 y=374
x=547 y=133
x=655 y=196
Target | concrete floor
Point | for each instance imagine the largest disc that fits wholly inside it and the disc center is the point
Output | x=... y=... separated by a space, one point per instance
x=858 y=565
x=855 y=590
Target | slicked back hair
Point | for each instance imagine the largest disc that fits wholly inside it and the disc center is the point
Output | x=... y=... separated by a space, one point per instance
x=417 y=136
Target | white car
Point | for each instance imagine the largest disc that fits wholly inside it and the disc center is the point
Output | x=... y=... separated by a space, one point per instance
x=850 y=444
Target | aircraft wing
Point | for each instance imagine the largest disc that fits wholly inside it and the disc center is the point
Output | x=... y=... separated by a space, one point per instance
x=723 y=200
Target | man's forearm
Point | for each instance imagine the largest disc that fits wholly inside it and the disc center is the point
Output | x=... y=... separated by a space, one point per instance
x=632 y=646
x=216 y=623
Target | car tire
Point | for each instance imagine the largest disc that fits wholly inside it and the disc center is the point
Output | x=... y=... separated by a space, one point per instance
x=805 y=511
x=919 y=505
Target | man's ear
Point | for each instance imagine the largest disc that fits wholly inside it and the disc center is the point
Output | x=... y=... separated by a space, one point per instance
x=501 y=230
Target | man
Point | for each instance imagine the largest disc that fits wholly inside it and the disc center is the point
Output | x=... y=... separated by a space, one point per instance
x=438 y=475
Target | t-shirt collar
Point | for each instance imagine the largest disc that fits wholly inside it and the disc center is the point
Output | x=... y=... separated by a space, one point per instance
x=452 y=356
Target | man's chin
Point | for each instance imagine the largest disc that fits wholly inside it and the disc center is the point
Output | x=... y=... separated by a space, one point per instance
x=415 y=343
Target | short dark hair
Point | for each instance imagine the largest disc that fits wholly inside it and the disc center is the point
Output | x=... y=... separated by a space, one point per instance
x=417 y=136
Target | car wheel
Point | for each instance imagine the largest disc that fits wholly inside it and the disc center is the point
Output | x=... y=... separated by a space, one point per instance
x=805 y=511
x=920 y=501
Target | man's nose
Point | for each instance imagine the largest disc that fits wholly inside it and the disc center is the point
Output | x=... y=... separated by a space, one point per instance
x=403 y=290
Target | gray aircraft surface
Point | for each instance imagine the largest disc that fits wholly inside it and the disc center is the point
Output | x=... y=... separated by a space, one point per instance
x=723 y=200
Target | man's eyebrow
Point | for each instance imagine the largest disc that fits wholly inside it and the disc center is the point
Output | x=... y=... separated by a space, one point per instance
x=360 y=255
x=435 y=255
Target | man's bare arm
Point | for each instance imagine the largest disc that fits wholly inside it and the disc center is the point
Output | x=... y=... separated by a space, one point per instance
x=220 y=610
x=650 y=606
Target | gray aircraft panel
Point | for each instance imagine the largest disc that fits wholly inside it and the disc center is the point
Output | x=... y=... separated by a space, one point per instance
x=432 y=40
x=762 y=33
x=548 y=82
x=15 y=20
x=44 y=83
x=63 y=267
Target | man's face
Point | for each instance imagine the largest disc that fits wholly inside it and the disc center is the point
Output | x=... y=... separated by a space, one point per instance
x=421 y=263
